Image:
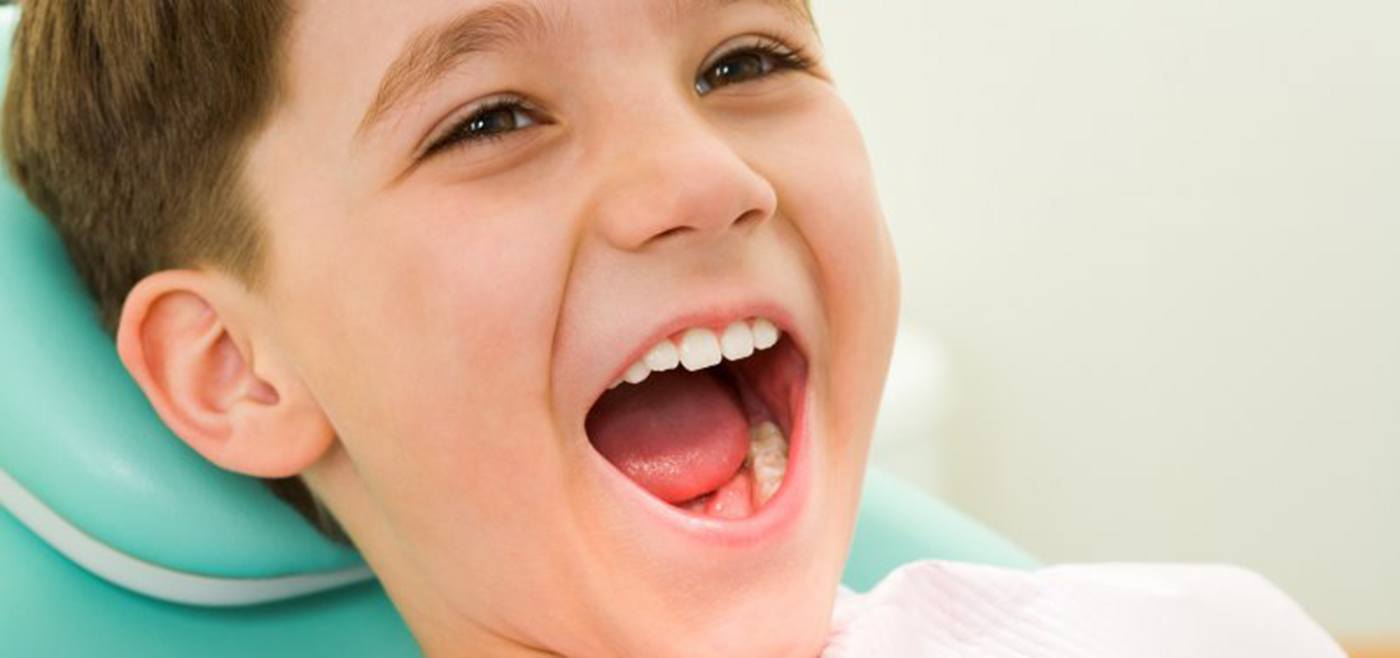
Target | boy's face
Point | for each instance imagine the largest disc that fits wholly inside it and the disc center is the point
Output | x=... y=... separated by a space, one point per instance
x=480 y=215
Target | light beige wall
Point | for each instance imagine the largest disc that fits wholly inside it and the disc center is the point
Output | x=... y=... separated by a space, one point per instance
x=1160 y=242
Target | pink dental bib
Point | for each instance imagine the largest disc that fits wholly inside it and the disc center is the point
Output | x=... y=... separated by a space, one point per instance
x=946 y=609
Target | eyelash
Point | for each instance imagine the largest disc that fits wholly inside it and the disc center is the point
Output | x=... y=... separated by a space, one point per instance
x=459 y=134
x=783 y=58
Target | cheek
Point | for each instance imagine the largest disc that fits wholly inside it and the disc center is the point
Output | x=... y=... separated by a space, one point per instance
x=829 y=194
x=816 y=157
x=835 y=204
x=425 y=327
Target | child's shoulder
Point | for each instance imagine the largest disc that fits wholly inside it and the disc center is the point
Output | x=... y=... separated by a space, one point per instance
x=1162 y=610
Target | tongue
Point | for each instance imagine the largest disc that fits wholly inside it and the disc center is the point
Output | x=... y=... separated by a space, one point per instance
x=679 y=435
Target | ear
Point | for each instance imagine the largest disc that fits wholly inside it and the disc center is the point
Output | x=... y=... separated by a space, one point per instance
x=191 y=341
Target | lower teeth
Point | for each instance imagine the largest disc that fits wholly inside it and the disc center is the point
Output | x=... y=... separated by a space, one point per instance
x=767 y=460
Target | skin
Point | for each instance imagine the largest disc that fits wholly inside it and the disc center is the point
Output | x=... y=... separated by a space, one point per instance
x=429 y=335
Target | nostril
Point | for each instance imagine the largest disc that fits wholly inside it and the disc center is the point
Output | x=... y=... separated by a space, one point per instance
x=678 y=230
x=748 y=219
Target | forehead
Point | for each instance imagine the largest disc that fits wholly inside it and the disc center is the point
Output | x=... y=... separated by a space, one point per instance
x=401 y=43
x=496 y=25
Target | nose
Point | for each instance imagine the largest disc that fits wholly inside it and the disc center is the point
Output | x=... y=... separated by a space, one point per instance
x=680 y=183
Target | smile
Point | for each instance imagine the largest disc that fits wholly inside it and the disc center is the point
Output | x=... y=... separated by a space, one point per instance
x=707 y=421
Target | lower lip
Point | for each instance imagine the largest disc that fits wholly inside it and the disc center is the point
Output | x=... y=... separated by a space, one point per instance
x=772 y=521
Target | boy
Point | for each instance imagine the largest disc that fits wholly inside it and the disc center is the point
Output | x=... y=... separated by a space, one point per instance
x=573 y=315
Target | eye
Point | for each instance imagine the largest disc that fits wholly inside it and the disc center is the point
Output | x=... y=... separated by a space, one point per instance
x=747 y=63
x=494 y=119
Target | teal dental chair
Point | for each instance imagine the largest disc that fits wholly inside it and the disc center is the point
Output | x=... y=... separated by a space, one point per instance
x=118 y=541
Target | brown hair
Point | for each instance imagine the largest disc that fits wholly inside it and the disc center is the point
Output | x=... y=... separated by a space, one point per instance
x=127 y=122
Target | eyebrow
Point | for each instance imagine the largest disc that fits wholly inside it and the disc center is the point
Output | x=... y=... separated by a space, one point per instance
x=440 y=48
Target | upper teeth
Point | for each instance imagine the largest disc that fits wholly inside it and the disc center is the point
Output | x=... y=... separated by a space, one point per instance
x=701 y=348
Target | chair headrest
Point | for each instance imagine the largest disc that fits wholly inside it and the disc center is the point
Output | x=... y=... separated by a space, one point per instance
x=89 y=467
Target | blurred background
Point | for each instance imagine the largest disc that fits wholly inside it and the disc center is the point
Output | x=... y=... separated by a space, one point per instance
x=1151 y=254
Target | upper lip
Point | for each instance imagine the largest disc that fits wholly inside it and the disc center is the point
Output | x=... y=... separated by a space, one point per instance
x=715 y=315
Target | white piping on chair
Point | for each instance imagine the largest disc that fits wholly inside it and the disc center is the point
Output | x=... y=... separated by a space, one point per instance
x=154 y=580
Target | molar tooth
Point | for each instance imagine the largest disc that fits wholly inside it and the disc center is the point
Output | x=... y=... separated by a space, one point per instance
x=637 y=373
x=765 y=334
x=699 y=349
x=737 y=341
x=768 y=456
x=663 y=357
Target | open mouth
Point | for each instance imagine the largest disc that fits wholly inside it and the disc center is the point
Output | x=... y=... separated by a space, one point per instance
x=703 y=420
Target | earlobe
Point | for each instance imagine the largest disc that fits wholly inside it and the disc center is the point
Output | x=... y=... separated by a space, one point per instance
x=185 y=336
